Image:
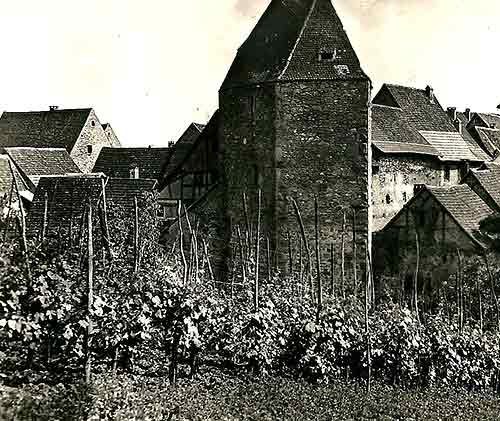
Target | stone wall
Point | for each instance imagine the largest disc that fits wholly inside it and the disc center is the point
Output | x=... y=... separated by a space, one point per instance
x=92 y=135
x=298 y=140
x=394 y=179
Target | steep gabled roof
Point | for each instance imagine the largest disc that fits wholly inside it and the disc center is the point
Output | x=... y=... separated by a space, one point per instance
x=489 y=119
x=68 y=196
x=34 y=163
x=117 y=162
x=415 y=122
x=42 y=129
x=490 y=138
x=473 y=145
x=489 y=179
x=286 y=44
x=6 y=176
x=460 y=202
x=183 y=146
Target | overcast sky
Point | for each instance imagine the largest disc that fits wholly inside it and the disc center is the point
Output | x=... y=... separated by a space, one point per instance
x=150 y=67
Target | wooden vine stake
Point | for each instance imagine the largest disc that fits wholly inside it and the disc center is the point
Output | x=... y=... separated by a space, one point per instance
x=90 y=294
x=207 y=257
x=181 y=243
x=342 y=255
x=268 y=255
x=493 y=291
x=9 y=210
x=257 y=254
x=107 y=239
x=242 y=256
x=290 y=256
x=332 y=271
x=306 y=244
x=248 y=234
x=136 y=236
x=319 y=284
x=23 y=229
x=354 y=251
x=191 y=246
x=415 y=278
x=45 y=215
x=368 y=295
x=460 y=292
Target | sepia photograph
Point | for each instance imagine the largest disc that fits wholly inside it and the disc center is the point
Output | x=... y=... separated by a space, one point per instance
x=249 y=210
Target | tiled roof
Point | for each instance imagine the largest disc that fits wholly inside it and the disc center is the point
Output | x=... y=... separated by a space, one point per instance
x=451 y=146
x=489 y=179
x=36 y=162
x=409 y=117
x=68 y=197
x=183 y=146
x=405 y=148
x=6 y=176
x=286 y=44
x=473 y=145
x=464 y=205
x=490 y=138
x=117 y=162
x=420 y=112
x=490 y=120
x=56 y=129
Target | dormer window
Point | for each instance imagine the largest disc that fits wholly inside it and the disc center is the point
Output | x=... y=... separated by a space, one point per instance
x=327 y=55
x=134 y=172
x=89 y=149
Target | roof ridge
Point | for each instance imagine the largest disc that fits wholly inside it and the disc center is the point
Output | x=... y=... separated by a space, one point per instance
x=387 y=106
x=302 y=29
x=396 y=85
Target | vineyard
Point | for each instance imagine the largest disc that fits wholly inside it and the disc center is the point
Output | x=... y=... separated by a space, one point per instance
x=106 y=301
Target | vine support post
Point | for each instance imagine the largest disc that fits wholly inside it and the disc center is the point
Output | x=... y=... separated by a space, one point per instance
x=90 y=294
x=290 y=257
x=415 y=278
x=9 y=210
x=368 y=295
x=242 y=256
x=136 y=236
x=354 y=251
x=342 y=255
x=107 y=240
x=318 y=259
x=257 y=253
x=45 y=215
x=191 y=246
x=332 y=271
x=268 y=255
x=493 y=291
x=248 y=234
x=306 y=244
x=460 y=292
x=181 y=243
x=210 y=270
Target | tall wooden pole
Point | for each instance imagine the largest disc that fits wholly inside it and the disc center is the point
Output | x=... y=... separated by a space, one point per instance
x=9 y=210
x=181 y=243
x=493 y=290
x=306 y=244
x=45 y=215
x=107 y=239
x=342 y=256
x=268 y=252
x=248 y=234
x=242 y=256
x=257 y=253
x=136 y=236
x=332 y=271
x=354 y=251
x=415 y=279
x=290 y=256
x=318 y=259
x=367 y=317
x=460 y=292
x=90 y=294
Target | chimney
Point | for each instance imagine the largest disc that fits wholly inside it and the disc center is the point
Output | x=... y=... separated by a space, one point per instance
x=458 y=125
x=429 y=93
x=417 y=188
x=467 y=114
x=452 y=113
x=54 y=107
x=171 y=144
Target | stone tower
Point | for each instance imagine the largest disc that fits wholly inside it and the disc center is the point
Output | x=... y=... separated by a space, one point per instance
x=295 y=122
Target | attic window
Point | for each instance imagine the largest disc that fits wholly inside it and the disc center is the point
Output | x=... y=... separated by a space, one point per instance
x=327 y=55
x=134 y=172
x=89 y=149
x=92 y=123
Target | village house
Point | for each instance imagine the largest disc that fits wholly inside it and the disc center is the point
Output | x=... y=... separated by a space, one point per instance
x=414 y=142
x=78 y=131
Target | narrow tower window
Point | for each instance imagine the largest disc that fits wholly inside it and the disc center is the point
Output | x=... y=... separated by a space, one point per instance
x=89 y=149
x=327 y=55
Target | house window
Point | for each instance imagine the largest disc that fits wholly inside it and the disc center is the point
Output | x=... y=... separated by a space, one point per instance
x=447 y=173
x=92 y=123
x=89 y=149
x=327 y=55
x=388 y=199
x=134 y=172
x=405 y=197
x=375 y=169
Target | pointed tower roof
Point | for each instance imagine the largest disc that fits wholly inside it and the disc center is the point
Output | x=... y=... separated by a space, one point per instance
x=295 y=40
